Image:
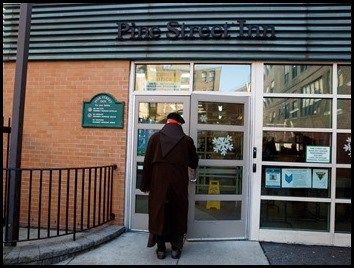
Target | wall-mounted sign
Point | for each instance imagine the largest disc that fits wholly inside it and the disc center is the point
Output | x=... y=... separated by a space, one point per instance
x=318 y=154
x=102 y=111
x=175 y=30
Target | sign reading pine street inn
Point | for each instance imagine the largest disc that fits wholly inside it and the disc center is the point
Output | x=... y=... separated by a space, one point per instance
x=175 y=30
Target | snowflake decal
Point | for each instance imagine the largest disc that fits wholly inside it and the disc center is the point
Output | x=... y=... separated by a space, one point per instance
x=222 y=144
x=203 y=118
x=347 y=147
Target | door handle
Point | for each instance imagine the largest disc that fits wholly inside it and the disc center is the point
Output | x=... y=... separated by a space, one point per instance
x=192 y=174
x=254 y=168
x=254 y=152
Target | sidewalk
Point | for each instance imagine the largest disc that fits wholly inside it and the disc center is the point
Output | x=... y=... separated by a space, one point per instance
x=130 y=249
x=112 y=245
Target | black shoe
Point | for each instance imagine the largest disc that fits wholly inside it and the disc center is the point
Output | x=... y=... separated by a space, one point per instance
x=176 y=253
x=161 y=254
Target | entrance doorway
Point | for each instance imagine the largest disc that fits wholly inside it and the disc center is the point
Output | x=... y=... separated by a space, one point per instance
x=218 y=125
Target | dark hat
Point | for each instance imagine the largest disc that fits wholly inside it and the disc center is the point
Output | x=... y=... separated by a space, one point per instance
x=176 y=117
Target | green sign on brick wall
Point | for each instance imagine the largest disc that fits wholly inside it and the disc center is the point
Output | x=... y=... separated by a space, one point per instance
x=103 y=110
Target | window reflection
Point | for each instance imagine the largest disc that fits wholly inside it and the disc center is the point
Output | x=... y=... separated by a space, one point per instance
x=156 y=112
x=162 y=77
x=306 y=79
x=288 y=146
x=344 y=109
x=222 y=77
x=344 y=79
x=224 y=210
x=297 y=112
x=225 y=180
x=344 y=183
x=343 y=219
x=143 y=139
x=141 y=204
x=295 y=215
x=220 y=113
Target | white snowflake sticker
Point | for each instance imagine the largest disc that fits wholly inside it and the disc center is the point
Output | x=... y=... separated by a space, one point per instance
x=203 y=118
x=347 y=147
x=222 y=144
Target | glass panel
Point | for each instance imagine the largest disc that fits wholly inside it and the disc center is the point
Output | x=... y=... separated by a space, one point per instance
x=220 y=145
x=344 y=183
x=219 y=180
x=141 y=204
x=344 y=148
x=343 y=220
x=344 y=79
x=222 y=77
x=289 y=146
x=139 y=170
x=220 y=113
x=343 y=110
x=162 y=77
x=295 y=215
x=156 y=112
x=143 y=139
x=217 y=210
x=306 y=79
x=289 y=181
x=286 y=112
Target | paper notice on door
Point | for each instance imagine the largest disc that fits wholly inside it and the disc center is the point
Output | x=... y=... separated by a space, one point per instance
x=320 y=178
x=296 y=178
x=272 y=177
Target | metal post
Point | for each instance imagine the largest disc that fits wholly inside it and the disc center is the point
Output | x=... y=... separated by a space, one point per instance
x=14 y=186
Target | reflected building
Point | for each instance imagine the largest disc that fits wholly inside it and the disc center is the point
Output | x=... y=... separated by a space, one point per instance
x=207 y=78
x=297 y=79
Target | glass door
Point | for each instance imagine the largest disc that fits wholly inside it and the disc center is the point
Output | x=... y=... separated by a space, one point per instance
x=219 y=196
x=219 y=127
x=150 y=114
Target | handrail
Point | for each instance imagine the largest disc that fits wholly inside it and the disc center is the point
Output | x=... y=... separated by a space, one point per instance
x=61 y=201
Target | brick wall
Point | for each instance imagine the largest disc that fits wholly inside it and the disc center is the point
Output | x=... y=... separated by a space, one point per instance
x=53 y=135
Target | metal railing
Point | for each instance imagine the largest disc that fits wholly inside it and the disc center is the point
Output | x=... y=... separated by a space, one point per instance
x=60 y=201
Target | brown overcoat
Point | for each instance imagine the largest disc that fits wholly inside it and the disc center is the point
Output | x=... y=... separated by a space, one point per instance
x=168 y=155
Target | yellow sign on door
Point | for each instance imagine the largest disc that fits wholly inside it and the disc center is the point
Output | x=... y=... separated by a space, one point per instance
x=214 y=188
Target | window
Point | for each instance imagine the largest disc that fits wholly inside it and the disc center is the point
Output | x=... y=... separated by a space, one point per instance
x=162 y=77
x=286 y=74
x=294 y=110
x=222 y=77
x=305 y=134
x=212 y=75
x=344 y=79
x=272 y=86
x=303 y=68
x=204 y=76
x=282 y=83
x=294 y=71
x=286 y=111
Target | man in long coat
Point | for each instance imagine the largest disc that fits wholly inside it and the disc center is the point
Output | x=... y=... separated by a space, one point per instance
x=168 y=155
